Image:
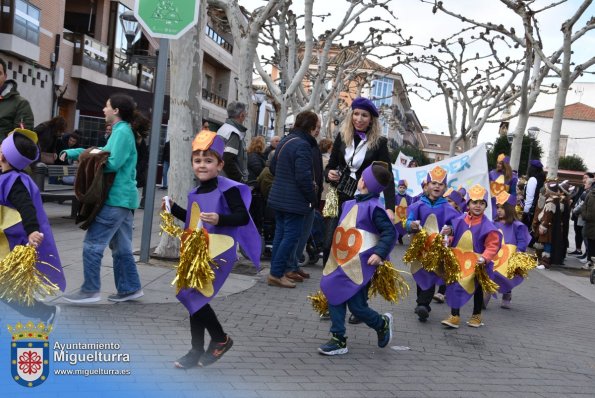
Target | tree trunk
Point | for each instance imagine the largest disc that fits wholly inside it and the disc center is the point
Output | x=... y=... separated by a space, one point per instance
x=553 y=155
x=185 y=119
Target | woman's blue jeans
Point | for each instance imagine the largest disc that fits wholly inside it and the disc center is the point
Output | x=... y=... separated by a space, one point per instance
x=112 y=226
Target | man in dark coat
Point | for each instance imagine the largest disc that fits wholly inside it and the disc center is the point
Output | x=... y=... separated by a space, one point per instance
x=15 y=110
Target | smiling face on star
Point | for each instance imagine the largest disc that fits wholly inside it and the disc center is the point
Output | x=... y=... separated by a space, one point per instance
x=206 y=165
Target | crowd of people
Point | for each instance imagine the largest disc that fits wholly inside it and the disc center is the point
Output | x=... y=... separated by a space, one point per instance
x=295 y=176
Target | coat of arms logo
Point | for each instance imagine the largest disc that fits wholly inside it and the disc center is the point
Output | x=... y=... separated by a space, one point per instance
x=30 y=353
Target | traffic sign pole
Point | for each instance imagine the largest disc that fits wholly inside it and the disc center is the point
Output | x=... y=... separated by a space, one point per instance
x=145 y=244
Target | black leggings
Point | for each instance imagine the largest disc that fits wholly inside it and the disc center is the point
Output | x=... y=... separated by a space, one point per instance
x=477 y=302
x=202 y=319
x=578 y=236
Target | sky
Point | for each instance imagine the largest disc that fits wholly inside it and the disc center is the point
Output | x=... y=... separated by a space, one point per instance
x=416 y=19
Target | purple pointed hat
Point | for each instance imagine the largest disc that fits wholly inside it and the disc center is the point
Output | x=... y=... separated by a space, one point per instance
x=371 y=182
x=208 y=140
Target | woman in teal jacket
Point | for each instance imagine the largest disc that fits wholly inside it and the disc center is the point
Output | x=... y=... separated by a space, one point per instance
x=113 y=223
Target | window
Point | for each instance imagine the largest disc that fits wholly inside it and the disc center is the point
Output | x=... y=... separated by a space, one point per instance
x=382 y=91
x=26 y=21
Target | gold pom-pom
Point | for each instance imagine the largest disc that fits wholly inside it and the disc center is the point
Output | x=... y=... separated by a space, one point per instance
x=319 y=303
x=520 y=264
x=388 y=283
x=488 y=285
x=20 y=280
x=195 y=270
x=169 y=226
x=441 y=260
x=416 y=248
x=331 y=204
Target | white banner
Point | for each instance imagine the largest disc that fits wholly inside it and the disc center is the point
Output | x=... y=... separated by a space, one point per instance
x=464 y=170
x=403 y=160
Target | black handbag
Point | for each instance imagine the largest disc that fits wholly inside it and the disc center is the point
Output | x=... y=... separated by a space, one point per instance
x=346 y=185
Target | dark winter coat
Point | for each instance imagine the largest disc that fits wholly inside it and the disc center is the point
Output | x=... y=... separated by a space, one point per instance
x=256 y=163
x=588 y=214
x=293 y=188
x=380 y=153
x=14 y=109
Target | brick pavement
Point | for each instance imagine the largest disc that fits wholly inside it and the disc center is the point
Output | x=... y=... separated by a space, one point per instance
x=540 y=348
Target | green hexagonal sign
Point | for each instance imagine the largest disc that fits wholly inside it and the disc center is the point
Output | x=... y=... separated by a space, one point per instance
x=166 y=19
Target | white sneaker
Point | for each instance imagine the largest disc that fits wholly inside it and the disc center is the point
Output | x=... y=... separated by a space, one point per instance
x=540 y=266
x=585 y=260
x=587 y=266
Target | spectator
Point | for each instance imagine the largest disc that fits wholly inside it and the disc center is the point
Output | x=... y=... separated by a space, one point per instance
x=141 y=127
x=264 y=182
x=165 y=160
x=588 y=212
x=68 y=141
x=578 y=211
x=535 y=181
x=15 y=110
x=49 y=133
x=273 y=144
x=256 y=158
x=233 y=132
x=293 y=194
x=205 y=125
x=113 y=223
x=355 y=148
x=577 y=218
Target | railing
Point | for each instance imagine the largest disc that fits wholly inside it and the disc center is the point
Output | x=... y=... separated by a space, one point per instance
x=212 y=33
x=88 y=52
x=214 y=98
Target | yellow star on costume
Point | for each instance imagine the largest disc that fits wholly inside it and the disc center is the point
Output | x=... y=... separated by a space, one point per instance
x=467 y=259
x=218 y=243
x=504 y=254
x=348 y=243
x=8 y=218
x=431 y=227
x=401 y=211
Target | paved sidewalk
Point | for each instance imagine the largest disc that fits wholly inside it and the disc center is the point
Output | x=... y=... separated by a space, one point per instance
x=542 y=347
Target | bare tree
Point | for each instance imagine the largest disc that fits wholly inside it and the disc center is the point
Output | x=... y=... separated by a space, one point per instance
x=185 y=118
x=467 y=71
x=306 y=66
x=534 y=73
x=246 y=27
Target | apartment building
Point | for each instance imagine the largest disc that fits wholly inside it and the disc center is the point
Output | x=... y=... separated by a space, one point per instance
x=68 y=56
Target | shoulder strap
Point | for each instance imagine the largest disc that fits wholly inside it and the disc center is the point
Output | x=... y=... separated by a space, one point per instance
x=277 y=154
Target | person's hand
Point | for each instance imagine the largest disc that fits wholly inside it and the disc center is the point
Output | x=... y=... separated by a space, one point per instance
x=414 y=225
x=35 y=238
x=542 y=230
x=375 y=259
x=333 y=175
x=391 y=214
x=446 y=230
x=210 y=218
x=481 y=261
x=63 y=156
x=164 y=201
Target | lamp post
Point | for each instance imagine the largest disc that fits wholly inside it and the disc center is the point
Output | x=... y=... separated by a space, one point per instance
x=532 y=131
x=260 y=97
x=131 y=28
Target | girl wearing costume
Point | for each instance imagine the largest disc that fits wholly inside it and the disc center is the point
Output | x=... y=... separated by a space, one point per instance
x=476 y=241
x=362 y=241
x=515 y=238
x=502 y=179
x=22 y=216
x=229 y=200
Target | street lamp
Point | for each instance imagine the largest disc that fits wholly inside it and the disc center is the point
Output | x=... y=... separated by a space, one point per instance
x=260 y=97
x=131 y=28
x=532 y=131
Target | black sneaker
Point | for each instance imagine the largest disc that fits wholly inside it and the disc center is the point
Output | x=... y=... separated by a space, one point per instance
x=385 y=334
x=215 y=352
x=422 y=313
x=354 y=320
x=575 y=253
x=337 y=345
x=189 y=360
x=119 y=297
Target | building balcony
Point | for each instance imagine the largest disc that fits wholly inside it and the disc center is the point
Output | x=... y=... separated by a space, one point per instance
x=214 y=98
x=88 y=52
